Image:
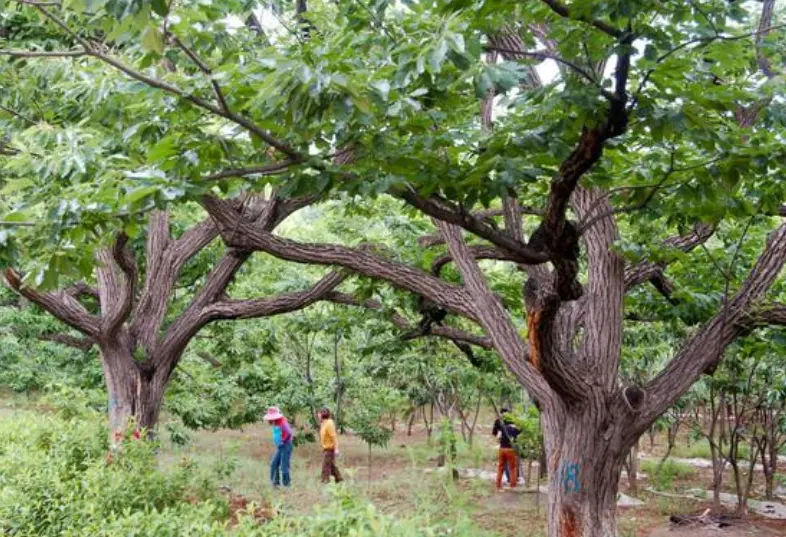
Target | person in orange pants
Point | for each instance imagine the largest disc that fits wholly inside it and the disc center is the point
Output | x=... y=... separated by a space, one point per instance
x=507 y=458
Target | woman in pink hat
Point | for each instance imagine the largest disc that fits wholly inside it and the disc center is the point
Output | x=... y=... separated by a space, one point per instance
x=282 y=438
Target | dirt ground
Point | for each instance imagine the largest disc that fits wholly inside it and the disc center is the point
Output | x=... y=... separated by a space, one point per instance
x=742 y=530
x=398 y=483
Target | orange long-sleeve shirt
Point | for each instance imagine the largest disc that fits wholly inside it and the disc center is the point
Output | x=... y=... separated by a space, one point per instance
x=327 y=434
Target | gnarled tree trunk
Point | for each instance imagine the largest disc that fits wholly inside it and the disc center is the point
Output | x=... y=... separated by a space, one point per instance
x=135 y=390
x=584 y=471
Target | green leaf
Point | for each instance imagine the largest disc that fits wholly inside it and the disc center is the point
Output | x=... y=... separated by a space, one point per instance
x=140 y=193
x=456 y=42
x=437 y=55
x=153 y=40
x=16 y=185
x=382 y=87
x=160 y=7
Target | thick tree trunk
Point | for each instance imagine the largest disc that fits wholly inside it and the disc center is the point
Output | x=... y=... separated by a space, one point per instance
x=135 y=392
x=584 y=473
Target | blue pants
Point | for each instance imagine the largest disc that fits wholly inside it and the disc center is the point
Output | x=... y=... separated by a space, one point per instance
x=279 y=465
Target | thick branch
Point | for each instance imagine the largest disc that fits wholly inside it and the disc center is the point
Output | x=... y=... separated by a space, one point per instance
x=645 y=271
x=209 y=359
x=478 y=252
x=245 y=236
x=80 y=343
x=436 y=239
x=446 y=332
x=80 y=289
x=119 y=307
x=765 y=66
x=63 y=306
x=255 y=212
x=605 y=288
x=769 y=314
x=269 y=306
x=444 y=211
x=706 y=348
x=160 y=276
x=519 y=209
x=495 y=320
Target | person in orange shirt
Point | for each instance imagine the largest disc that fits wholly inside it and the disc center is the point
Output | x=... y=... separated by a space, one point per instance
x=329 y=441
x=508 y=458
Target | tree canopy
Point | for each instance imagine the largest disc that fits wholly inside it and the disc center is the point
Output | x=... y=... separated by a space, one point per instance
x=472 y=154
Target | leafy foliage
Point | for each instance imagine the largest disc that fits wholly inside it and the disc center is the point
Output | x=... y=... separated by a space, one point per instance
x=58 y=481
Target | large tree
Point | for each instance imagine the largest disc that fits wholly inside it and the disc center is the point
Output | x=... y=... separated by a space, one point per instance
x=659 y=118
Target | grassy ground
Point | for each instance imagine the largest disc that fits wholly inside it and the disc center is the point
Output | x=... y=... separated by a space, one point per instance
x=402 y=480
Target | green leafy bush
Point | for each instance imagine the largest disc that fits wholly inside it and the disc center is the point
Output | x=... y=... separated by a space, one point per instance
x=58 y=480
x=528 y=440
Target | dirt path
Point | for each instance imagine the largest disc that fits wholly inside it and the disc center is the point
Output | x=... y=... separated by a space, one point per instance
x=773 y=510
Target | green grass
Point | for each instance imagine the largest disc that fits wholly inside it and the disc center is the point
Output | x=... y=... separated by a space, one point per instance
x=701 y=450
x=663 y=478
x=697 y=450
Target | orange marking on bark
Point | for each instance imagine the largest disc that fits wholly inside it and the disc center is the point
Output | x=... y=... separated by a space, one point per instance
x=568 y=525
x=533 y=321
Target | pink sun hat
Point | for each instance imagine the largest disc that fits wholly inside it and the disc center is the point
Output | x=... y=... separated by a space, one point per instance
x=273 y=414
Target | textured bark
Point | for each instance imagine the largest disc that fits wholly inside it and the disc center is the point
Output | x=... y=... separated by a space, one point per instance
x=647 y=271
x=80 y=343
x=241 y=234
x=584 y=463
x=134 y=390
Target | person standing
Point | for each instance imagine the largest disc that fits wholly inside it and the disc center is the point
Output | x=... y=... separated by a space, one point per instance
x=507 y=460
x=329 y=441
x=282 y=438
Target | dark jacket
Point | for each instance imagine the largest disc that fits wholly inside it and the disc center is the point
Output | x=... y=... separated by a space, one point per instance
x=509 y=433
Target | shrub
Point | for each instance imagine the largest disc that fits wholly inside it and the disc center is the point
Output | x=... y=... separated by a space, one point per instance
x=663 y=478
x=56 y=480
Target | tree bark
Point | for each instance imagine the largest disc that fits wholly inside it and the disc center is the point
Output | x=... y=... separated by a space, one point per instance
x=584 y=473
x=134 y=390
